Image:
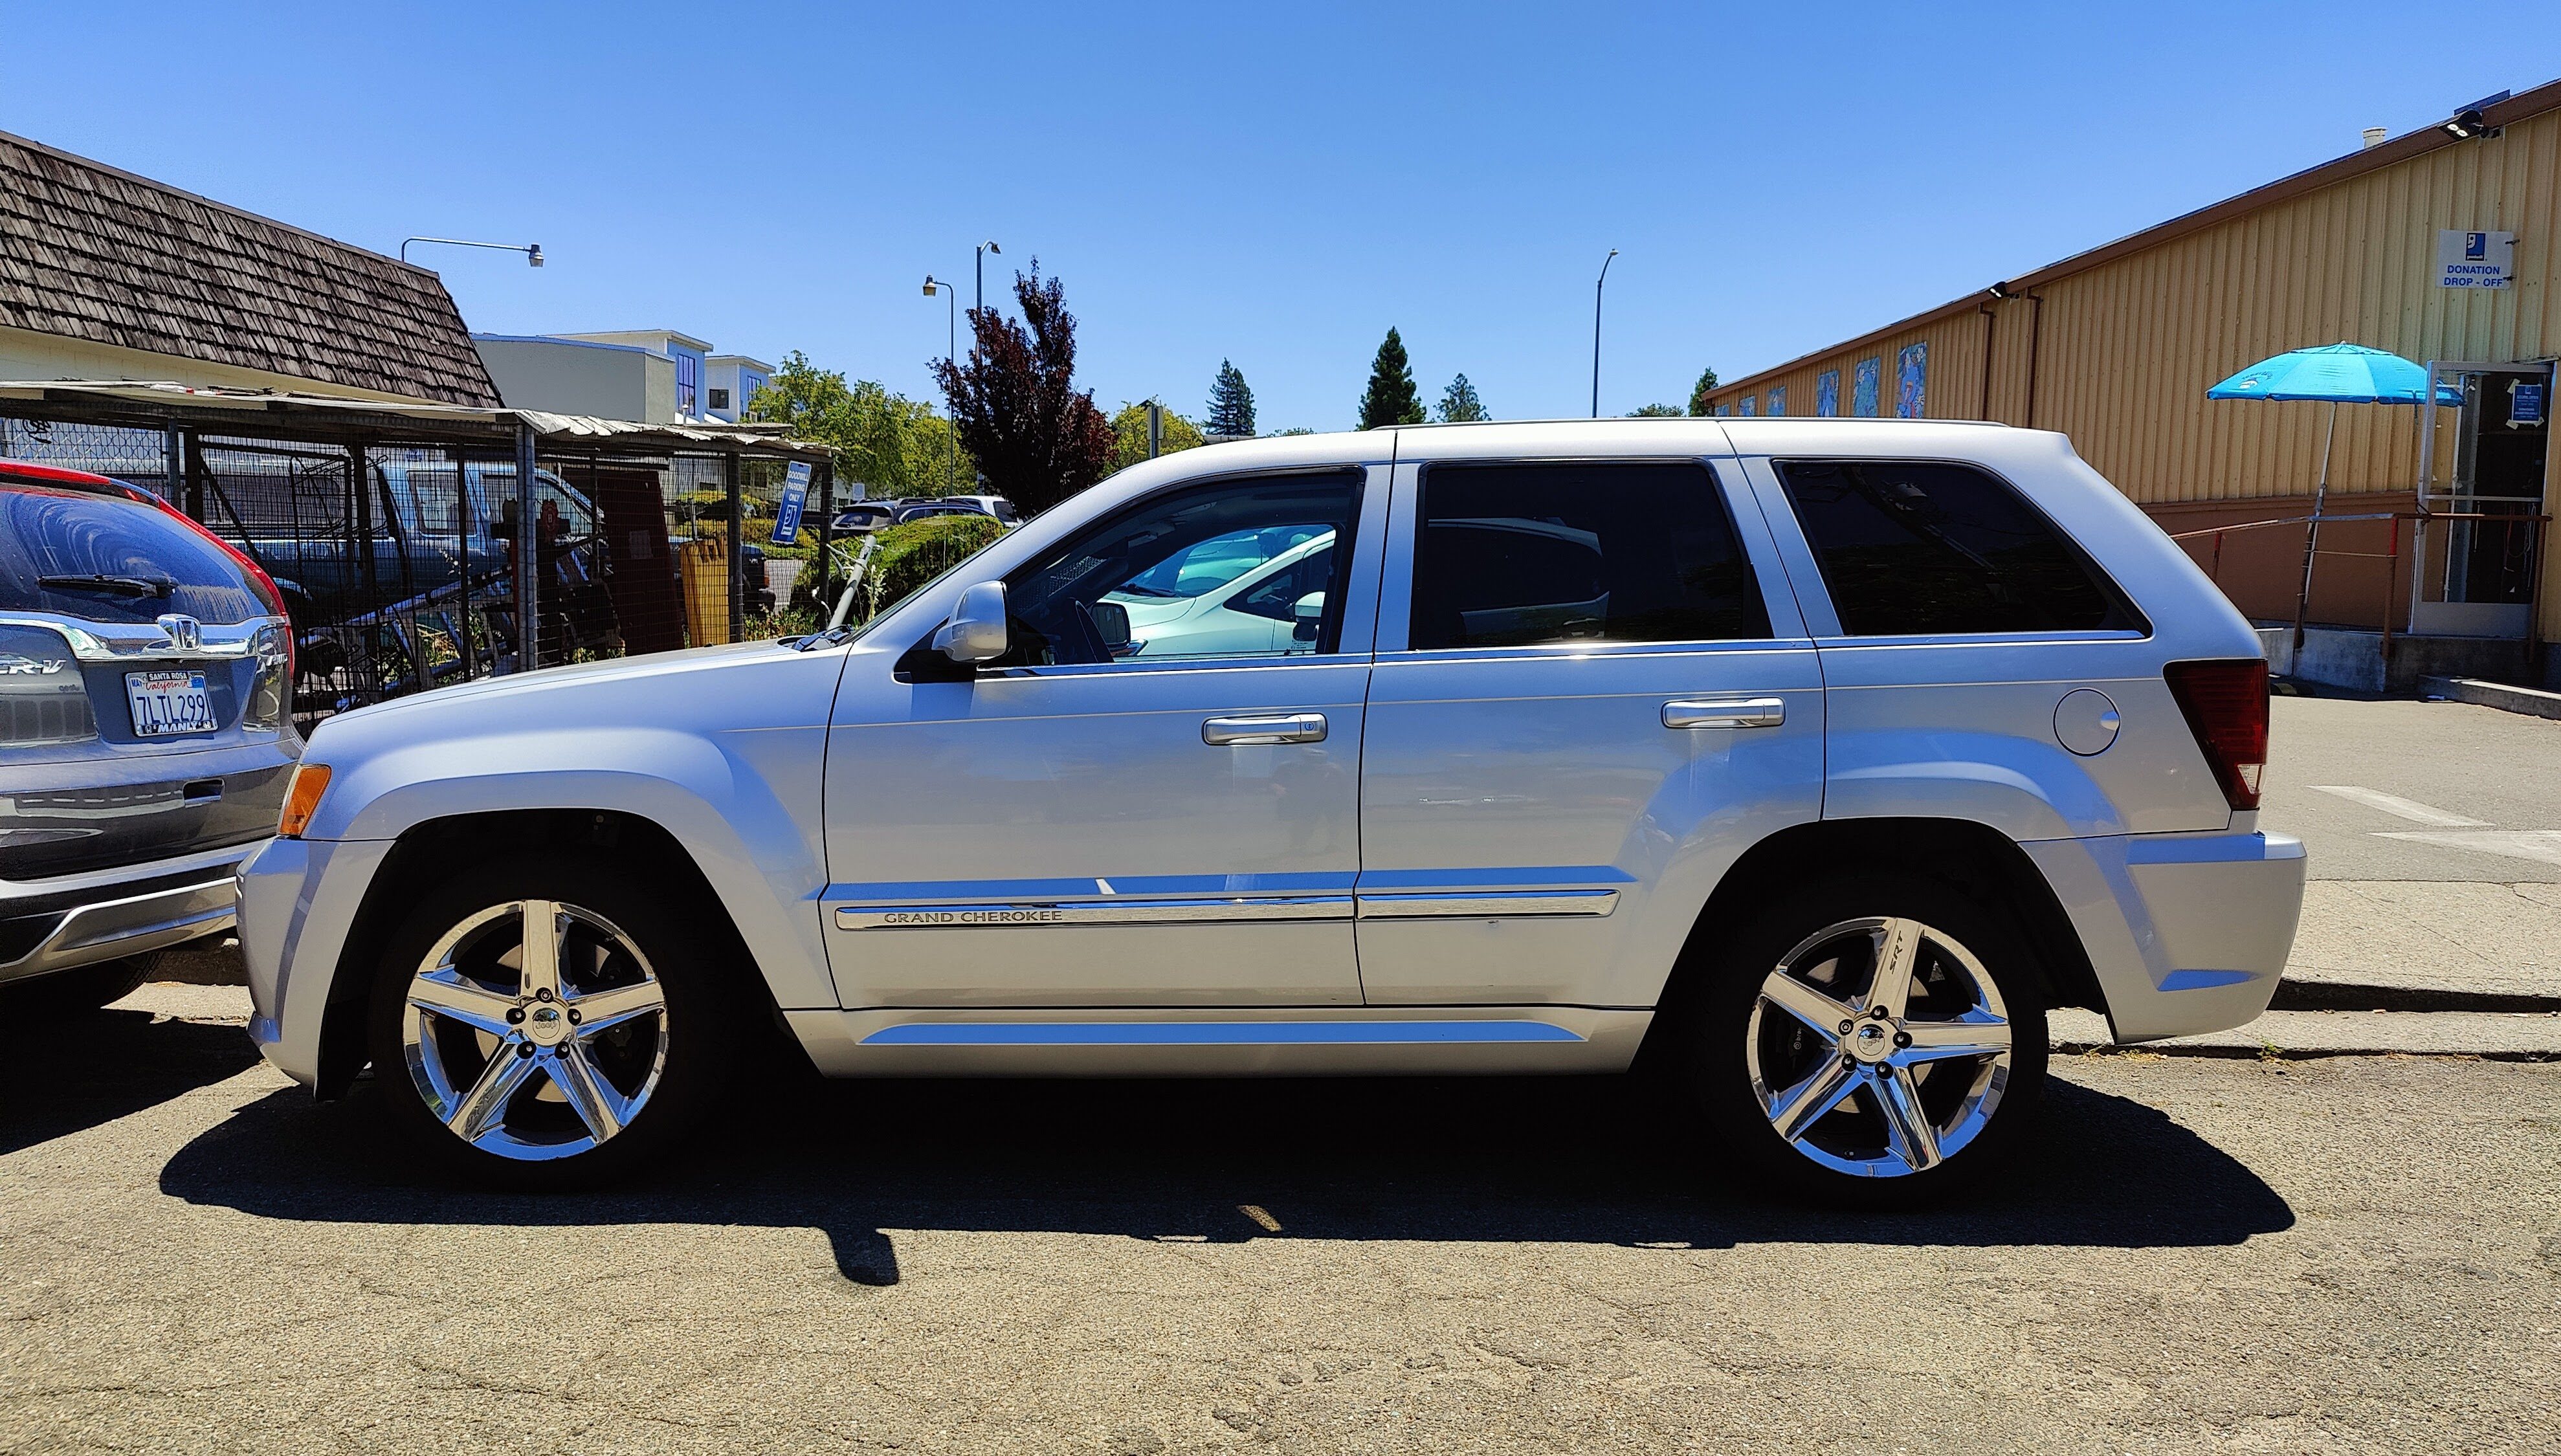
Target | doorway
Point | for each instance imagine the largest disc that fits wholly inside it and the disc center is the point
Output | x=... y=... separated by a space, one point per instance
x=2496 y=462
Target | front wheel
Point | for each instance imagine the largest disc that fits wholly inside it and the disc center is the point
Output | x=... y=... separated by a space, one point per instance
x=550 y=1024
x=1878 y=1041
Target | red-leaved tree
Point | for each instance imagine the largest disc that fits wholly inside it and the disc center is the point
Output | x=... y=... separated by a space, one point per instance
x=1037 y=439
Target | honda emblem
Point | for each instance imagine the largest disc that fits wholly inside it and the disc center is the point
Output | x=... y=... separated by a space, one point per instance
x=185 y=633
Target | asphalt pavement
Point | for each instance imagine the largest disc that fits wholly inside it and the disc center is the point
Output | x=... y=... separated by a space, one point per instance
x=2349 y=1254
x=2433 y=838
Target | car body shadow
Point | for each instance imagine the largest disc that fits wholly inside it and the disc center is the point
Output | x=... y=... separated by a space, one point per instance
x=1562 y=1160
x=62 y=1074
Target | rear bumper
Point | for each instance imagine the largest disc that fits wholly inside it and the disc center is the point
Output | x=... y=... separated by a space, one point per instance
x=79 y=920
x=2188 y=932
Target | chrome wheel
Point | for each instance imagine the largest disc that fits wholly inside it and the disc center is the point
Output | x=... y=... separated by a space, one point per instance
x=1879 y=1047
x=535 y=1030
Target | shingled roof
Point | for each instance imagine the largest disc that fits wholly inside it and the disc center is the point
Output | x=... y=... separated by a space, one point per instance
x=90 y=252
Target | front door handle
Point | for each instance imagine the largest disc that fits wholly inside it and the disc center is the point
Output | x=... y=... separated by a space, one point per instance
x=1725 y=713
x=1264 y=727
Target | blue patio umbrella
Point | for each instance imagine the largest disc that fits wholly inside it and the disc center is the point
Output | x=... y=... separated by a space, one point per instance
x=2334 y=373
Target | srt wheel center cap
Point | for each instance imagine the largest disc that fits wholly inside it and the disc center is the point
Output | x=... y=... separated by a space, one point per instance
x=1870 y=1041
x=546 y=1024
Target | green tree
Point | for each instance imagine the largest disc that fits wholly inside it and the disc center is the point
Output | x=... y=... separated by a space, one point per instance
x=1231 y=403
x=1698 y=392
x=1129 y=432
x=894 y=446
x=1459 y=404
x=1038 y=437
x=1390 y=398
x=1656 y=411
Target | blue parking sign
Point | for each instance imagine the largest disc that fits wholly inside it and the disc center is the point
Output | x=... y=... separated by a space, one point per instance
x=795 y=498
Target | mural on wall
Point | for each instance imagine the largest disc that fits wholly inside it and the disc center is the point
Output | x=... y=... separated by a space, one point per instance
x=1777 y=399
x=1911 y=380
x=1827 y=393
x=1745 y=404
x=1863 y=401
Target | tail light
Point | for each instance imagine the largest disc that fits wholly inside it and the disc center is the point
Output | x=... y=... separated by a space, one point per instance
x=2226 y=705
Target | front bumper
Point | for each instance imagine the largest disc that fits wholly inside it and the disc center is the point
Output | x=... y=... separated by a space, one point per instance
x=2188 y=932
x=297 y=902
x=79 y=920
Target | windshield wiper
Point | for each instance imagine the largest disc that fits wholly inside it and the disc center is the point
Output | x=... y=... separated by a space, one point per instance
x=120 y=585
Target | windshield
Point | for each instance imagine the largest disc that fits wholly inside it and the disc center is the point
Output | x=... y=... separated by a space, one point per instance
x=107 y=560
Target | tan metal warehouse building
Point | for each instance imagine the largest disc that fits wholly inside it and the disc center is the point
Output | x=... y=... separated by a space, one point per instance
x=2117 y=346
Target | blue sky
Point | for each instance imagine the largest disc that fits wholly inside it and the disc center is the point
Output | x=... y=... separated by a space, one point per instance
x=1275 y=189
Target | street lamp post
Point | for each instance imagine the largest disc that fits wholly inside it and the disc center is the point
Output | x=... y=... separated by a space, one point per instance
x=984 y=248
x=1596 y=333
x=950 y=356
x=533 y=252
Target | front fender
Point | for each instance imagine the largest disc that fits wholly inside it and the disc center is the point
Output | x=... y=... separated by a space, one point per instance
x=743 y=804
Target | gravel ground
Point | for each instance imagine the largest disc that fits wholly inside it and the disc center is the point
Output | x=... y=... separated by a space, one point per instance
x=2350 y=1254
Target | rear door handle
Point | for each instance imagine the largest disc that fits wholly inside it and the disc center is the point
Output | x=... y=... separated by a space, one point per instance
x=1725 y=713
x=1264 y=727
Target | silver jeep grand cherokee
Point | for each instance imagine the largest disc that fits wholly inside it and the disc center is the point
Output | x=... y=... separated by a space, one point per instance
x=146 y=732
x=1807 y=761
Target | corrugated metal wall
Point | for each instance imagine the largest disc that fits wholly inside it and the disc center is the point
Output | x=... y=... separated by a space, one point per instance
x=2125 y=349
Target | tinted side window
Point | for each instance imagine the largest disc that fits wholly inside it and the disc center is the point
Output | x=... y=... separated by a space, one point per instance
x=1145 y=585
x=1513 y=554
x=1933 y=547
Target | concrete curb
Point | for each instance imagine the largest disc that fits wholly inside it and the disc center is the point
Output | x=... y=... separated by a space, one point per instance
x=2296 y=1034
x=2504 y=696
x=2308 y=994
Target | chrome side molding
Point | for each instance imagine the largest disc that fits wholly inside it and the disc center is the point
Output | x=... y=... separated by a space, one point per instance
x=1488 y=903
x=1229 y=909
x=1218 y=1034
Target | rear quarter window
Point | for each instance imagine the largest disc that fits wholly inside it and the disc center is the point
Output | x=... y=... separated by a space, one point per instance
x=1917 y=547
x=56 y=547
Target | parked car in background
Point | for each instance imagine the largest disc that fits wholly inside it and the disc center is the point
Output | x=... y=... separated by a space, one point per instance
x=146 y=732
x=1806 y=761
x=864 y=518
x=996 y=506
x=920 y=510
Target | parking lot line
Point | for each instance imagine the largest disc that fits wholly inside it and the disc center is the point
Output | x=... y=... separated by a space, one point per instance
x=2394 y=804
x=2540 y=845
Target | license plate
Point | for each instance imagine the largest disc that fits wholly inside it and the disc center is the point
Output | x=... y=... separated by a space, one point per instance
x=168 y=704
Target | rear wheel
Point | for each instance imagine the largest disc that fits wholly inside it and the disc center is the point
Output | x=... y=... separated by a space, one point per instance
x=1878 y=1041
x=548 y=1024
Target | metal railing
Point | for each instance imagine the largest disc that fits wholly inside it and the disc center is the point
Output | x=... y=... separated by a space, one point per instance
x=2390 y=556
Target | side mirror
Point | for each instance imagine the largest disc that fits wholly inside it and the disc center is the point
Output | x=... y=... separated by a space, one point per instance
x=1311 y=614
x=976 y=631
x=1112 y=624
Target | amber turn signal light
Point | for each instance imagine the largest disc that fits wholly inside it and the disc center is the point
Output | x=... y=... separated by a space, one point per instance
x=301 y=799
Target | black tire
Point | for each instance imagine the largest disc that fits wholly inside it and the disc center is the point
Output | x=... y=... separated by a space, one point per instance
x=1716 y=1042
x=76 y=992
x=710 y=1003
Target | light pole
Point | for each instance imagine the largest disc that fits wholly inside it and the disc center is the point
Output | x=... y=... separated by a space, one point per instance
x=1596 y=333
x=950 y=356
x=984 y=248
x=533 y=252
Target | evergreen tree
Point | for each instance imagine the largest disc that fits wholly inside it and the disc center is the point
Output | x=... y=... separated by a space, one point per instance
x=1390 y=398
x=1656 y=411
x=1698 y=392
x=1231 y=403
x=1459 y=404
